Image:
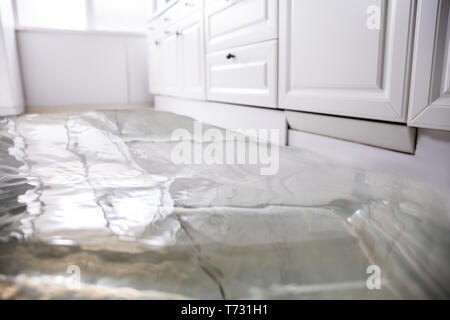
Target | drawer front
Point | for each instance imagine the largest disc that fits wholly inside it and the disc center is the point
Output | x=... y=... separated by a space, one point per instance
x=244 y=75
x=169 y=17
x=154 y=28
x=181 y=9
x=231 y=23
x=186 y=7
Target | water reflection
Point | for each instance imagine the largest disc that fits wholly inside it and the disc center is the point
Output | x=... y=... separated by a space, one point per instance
x=98 y=190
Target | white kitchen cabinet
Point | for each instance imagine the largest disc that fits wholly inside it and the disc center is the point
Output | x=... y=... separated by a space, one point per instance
x=191 y=55
x=346 y=57
x=176 y=52
x=430 y=85
x=232 y=23
x=245 y=75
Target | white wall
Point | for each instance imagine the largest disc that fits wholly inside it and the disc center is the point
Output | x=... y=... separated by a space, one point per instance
x=430 y=163
x=64 y=68
x=11 y=97
x=137 y=54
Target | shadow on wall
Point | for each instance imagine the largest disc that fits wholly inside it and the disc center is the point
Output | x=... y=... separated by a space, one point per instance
x=430 y=162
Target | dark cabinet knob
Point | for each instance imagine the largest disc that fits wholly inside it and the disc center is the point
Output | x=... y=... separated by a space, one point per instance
x=230 y=56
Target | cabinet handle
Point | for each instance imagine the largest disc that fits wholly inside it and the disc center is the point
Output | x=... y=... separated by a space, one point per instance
x=230 y=56
x=179 y=34
x=156 y=43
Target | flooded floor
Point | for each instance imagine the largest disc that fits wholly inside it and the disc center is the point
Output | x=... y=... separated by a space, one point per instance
x=92 y=206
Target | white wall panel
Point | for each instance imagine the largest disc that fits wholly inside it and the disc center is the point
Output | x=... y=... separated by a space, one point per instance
x=79 y=68
x=11 y=96
x=137 y=70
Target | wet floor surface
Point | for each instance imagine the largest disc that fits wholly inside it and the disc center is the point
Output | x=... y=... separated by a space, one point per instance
x=100 y=191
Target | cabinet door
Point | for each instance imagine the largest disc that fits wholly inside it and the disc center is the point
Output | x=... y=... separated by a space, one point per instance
x=170 y=63
x=154 y=65
x=430 y=85
x=232 y=23
x=346 y=57
x=192 y=57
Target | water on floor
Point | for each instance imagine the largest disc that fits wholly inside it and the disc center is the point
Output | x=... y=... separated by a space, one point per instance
x=92 y=206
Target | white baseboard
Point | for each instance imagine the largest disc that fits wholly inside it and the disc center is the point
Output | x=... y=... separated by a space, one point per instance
x=392 y=136
x=75 y=108
x=11 y=111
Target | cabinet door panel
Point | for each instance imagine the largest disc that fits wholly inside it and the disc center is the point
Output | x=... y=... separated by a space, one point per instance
x=169 y=64
x=192 y=57
x=347 y=57
x=430 y=85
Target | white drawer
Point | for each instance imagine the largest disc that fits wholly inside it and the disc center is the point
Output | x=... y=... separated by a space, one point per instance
x=178 y=11
x=154 y=27
x=231 y=23
x=244 y=75
x=186 y=7
x=169 y=17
